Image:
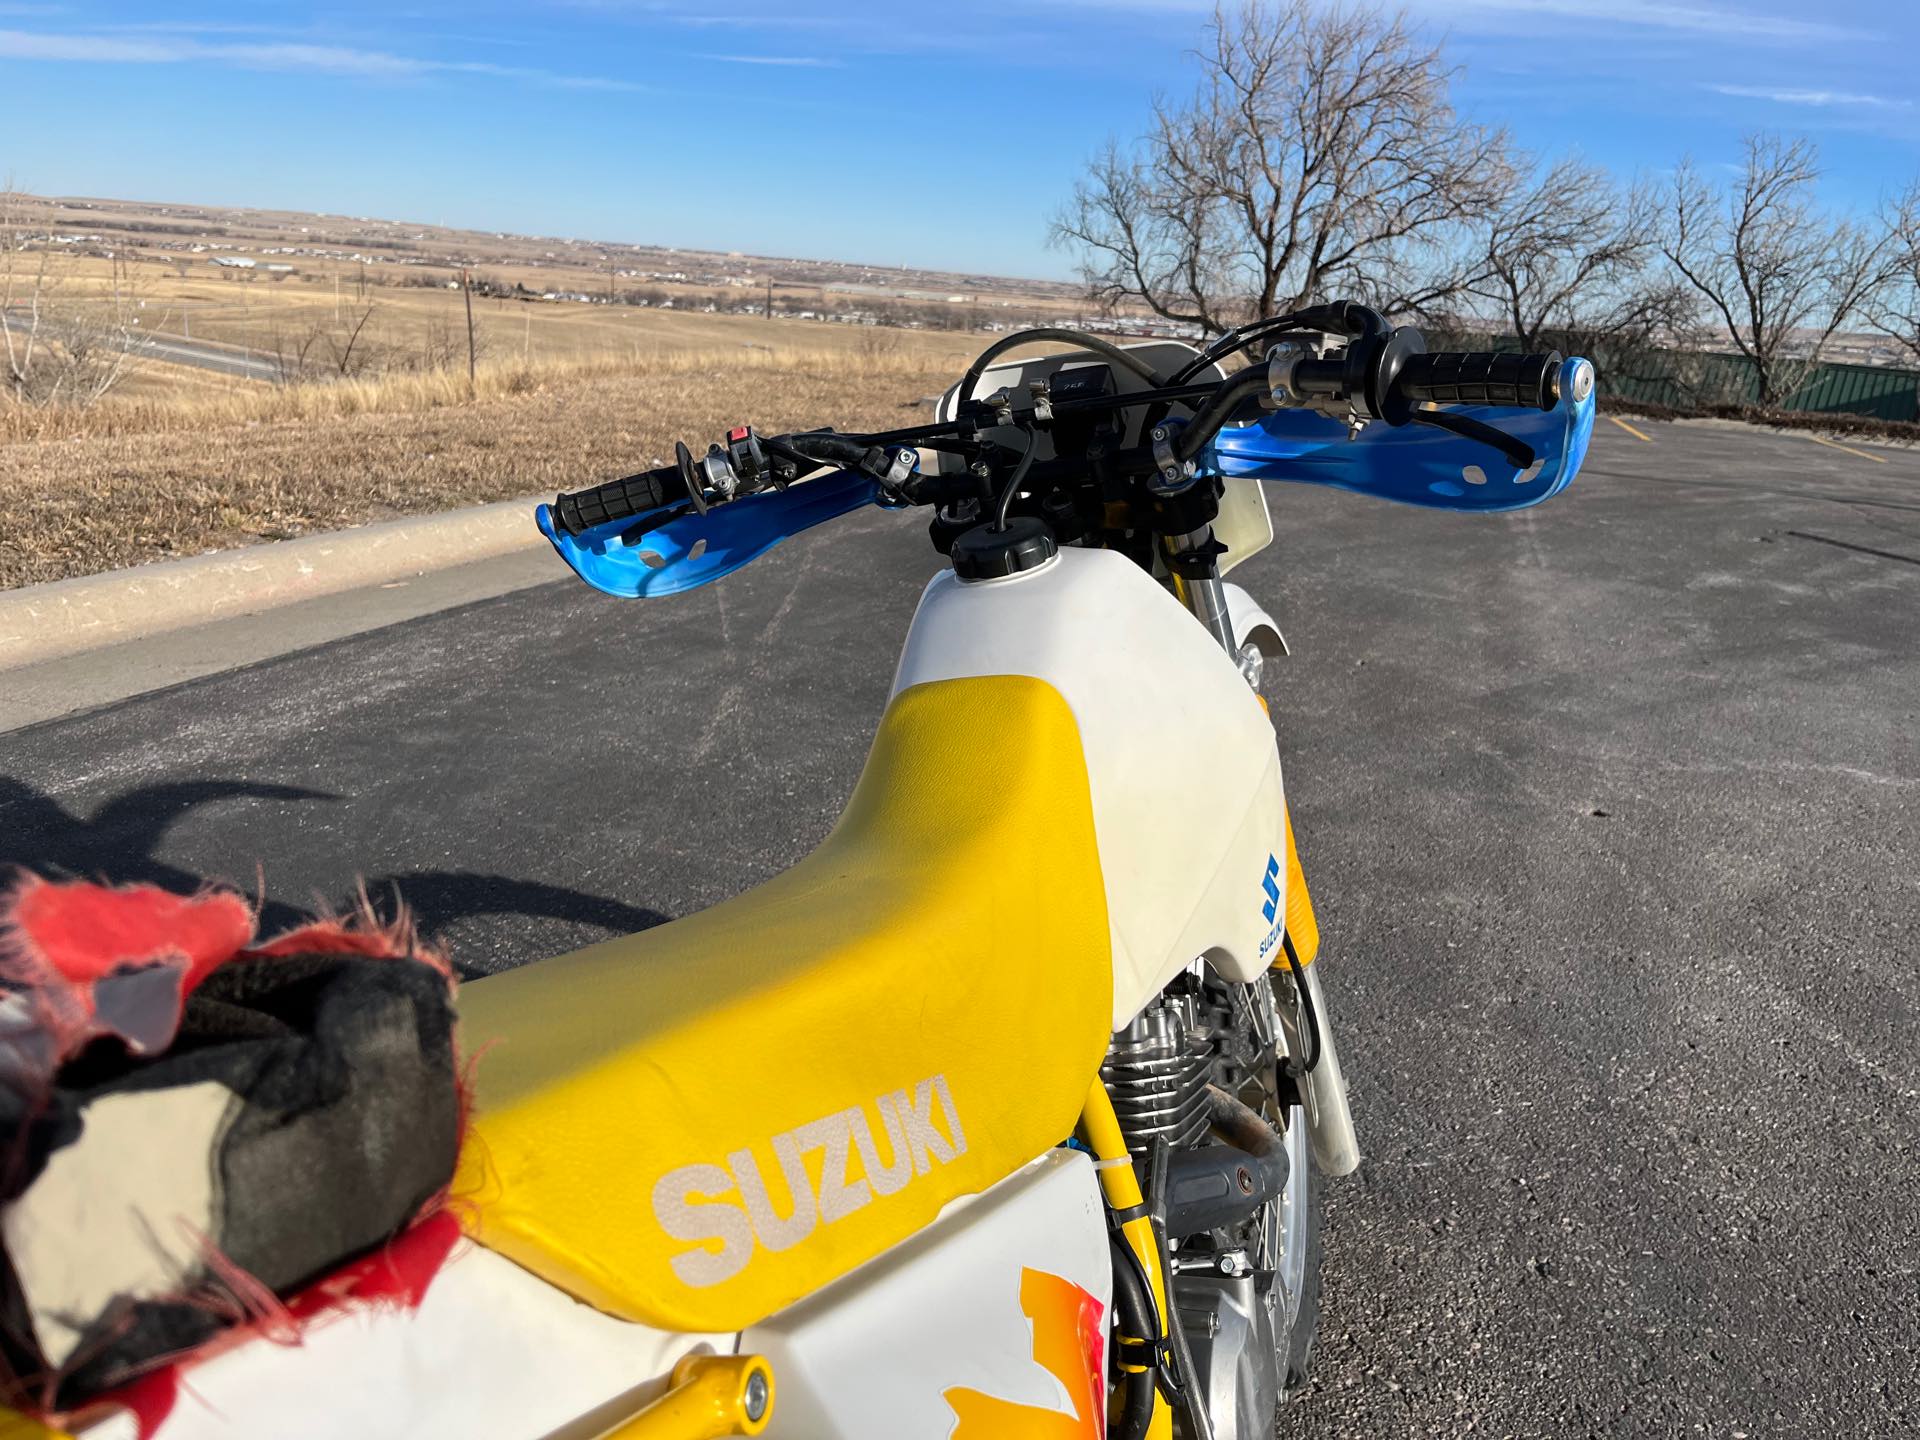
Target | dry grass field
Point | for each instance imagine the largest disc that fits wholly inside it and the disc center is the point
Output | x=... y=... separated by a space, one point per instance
x=411 y=328
x=313 y=278
x=227 y=469
x=178 y=460
x=359 y=404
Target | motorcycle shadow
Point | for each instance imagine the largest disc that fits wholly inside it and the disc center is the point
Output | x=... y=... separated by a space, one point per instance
x=119 y=844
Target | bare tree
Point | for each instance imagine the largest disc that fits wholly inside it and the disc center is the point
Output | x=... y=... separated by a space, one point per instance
x=443 y=346
x=1561 y=244
x=1566 y=257
x=1777 y=276
x=337 y=348
x=62 y=348
x=1894 y=309
x=23 y=287
x=95 y=345
x=1320 y=153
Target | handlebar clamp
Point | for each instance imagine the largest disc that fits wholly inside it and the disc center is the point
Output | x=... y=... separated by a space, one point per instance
x=1171 y=474
x=1282 y=360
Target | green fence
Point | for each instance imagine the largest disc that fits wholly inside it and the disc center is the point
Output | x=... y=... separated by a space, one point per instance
x=1684 y=380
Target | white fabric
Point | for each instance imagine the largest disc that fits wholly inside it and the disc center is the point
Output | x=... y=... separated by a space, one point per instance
x=125 y=1210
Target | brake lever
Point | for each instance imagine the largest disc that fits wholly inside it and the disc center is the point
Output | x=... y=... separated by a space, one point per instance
x=1467 y=428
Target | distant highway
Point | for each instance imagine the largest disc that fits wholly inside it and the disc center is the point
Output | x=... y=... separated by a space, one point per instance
x=178 y=350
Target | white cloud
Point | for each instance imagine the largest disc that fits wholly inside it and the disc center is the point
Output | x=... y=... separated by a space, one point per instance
x=1691 y=19
x=1615 y=16
x=808 y=62
x=1659 y=15
x=1822 y=98
x=318 y=59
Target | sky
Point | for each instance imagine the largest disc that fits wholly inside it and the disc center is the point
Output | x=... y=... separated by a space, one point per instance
x=940 y=136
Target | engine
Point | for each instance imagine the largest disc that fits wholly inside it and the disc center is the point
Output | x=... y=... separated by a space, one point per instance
x=1169 y=1074
x=1157 y=1069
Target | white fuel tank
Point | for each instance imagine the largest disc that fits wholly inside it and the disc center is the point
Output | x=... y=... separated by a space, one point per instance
x=1184 y=776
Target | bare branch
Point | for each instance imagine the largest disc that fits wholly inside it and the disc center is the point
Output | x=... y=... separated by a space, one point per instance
x=1893 y=306
x=1318 y=154
x=1779 y=276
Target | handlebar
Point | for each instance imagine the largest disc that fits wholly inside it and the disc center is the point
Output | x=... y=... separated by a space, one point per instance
x=619 y=499
x=1381 y=373
x=1390 y=375
x=1482 y=377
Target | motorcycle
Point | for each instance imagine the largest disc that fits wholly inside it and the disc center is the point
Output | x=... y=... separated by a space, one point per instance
x=1002 y=1112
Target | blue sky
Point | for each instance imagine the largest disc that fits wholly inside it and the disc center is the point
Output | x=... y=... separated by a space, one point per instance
x=904 y=133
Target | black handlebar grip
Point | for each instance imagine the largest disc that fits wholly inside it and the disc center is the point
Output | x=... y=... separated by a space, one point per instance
x=1482 y=377
x=619 y=499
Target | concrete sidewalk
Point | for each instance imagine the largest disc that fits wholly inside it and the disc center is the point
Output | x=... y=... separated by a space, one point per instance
x=64 y=617
x=76 y=644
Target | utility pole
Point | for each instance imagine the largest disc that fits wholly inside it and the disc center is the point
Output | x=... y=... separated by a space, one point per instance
x=769 y=297
x=466 y=292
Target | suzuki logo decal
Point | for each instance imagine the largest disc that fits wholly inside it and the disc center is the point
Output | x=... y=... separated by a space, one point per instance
x=734 y=1205
x=1271 y=885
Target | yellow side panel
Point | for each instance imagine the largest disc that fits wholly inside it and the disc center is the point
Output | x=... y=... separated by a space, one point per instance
x=697 y=1125
x=15 y=1426
x=1301 y=925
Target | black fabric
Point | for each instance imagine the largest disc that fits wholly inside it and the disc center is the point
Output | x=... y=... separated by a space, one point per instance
x=348 y=1124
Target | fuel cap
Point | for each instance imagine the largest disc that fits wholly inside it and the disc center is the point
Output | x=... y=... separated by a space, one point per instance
x=984 y=553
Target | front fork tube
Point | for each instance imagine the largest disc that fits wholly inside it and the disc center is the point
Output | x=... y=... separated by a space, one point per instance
x=1197 y=586
x=1323 y=1089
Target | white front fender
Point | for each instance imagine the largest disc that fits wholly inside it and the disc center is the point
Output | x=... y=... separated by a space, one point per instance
x=1250 y=622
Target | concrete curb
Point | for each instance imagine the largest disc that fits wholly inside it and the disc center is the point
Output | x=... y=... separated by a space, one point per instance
x=66 y=617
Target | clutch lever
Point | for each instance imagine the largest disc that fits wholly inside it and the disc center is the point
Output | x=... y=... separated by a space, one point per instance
x=1467 y=428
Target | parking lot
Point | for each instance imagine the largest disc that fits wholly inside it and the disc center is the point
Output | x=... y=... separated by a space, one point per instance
x=1611 y=810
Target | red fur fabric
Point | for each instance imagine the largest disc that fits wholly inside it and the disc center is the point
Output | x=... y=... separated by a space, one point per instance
x=70 y=949
x=200 y=1008
x=63 y=946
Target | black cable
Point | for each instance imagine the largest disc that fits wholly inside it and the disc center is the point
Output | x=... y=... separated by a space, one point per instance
x=1134 y=1311
x=1092 y=405
x=1309 y=1018
x=1227 y=398
x=1077 y=338
x=1233 y=340
x=1185 y=1384
x=824 y=447
x=1013 y=483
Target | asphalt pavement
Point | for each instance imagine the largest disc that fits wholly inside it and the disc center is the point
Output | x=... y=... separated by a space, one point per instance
x=1611 y=810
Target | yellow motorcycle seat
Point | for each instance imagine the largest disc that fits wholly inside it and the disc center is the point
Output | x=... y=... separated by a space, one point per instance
x=697 y=1125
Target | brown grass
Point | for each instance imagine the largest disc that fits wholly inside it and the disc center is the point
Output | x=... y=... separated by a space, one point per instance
x=145 y=478
x=176 y=409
